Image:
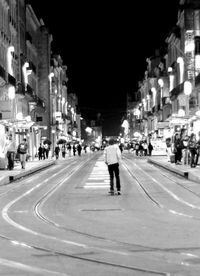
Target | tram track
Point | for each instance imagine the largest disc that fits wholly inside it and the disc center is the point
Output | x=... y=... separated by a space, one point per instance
x=166 y=176
x=37 y=209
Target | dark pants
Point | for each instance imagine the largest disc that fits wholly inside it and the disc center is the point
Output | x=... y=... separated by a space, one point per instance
x=197 y=158
x=178 y=155
x=10 y=156
x=40 y=156
x=113 y=170
x=193 y=154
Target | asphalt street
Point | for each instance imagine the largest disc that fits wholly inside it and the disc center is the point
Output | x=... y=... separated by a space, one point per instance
x=62 y=221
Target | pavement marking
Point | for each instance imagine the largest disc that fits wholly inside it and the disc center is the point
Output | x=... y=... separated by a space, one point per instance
x=99 y=177
x=97 y=187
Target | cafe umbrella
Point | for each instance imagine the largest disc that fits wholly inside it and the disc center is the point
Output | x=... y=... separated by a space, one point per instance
x=47 y=141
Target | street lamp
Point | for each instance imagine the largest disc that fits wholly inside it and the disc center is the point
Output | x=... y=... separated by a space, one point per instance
x=187 y=92
x=161 y=83
x=53 y=134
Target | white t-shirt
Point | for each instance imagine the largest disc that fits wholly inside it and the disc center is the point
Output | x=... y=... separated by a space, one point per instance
x=112 y=154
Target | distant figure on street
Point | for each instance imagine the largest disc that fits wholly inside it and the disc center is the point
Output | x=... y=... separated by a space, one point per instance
x=178 y=146
x=150 y=148
x=10 y=150
x=74 y=150
x=198 y=148
x=137 y=148
x=40 y=152
x=63 y=149
x=141 y=149
x=145 y=147
x=69 y=148
x=22 y=150
x=57 y=151
x=168 y=149
x=79 y=149
x=121 y=147
x=112 y=157
x=46 y=151
x=192 y=144
x=85 y=148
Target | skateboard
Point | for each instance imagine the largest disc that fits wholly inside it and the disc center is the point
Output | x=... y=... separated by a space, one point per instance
x=114 y=193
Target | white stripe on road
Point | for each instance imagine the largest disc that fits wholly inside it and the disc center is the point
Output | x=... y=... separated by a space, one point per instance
x=96 y=183
x=99 y=177
x=97 y=187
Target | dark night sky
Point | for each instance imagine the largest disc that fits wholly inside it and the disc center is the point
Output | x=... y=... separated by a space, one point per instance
x=104 y=45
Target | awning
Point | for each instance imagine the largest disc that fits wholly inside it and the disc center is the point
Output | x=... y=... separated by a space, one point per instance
x=176 y=91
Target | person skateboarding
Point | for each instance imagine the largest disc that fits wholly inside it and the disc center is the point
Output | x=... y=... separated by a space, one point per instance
x=112 y=157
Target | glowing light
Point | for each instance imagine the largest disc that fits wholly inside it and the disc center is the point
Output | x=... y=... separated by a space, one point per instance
x=198 y=113
x=63 y=100
x=10 y=50
x=11 y=92
x=137 y=134
x=137 y=112
x=197 y=64
x=171 y=82
x=26 y=73
x=161 y=83
x=187 y=88
x=125 y=124
x=181 y=112
x=153 y=89
x=88 y=129
x=28 y=118
x=51 y=75
x=181 y=68
x=19 y=116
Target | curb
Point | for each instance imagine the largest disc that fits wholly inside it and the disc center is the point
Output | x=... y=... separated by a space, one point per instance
x=182 y=173
x=12 y=178
x=193 y=177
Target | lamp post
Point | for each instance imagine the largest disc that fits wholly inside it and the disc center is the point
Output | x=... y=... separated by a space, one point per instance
x=187 y=92
x=53 y=134
x=11 y=96
x=161 y=83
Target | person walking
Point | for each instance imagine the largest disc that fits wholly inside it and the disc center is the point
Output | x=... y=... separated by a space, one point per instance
x=74 y=150
x=178 y=146
x=192 y=145
x=57 y=151
x=22 y=150
x=79 y=149
x=145 y=147
x=198 y=149
x=150 y=148
x=112 y=157
x=69 y=148
x=63 y=149
x=40 y=152
x=10 y=150
x=168 y=149
x=46 y=151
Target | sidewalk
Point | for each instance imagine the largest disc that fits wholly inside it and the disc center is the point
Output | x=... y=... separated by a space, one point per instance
x=186 y=171
x=7 y=176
